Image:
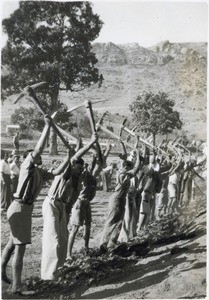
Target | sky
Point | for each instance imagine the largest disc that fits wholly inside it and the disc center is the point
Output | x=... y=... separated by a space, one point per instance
x=144 y=22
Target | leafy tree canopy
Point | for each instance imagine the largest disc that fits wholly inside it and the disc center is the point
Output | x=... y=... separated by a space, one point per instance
x=50 y=41
x=153 y=113
x=31 y=118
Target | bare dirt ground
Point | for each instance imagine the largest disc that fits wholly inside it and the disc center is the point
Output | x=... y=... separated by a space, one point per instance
x=174 y=268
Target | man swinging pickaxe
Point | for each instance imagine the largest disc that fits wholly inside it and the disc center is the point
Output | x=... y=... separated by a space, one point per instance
x=29 y=90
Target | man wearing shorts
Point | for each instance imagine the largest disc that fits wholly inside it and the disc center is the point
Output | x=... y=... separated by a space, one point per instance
x=81 y=212
x=19 y=213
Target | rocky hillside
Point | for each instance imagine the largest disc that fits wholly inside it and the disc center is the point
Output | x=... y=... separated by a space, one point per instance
x=178 y=69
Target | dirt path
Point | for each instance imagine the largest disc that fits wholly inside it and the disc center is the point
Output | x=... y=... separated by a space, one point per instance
x=170 y=270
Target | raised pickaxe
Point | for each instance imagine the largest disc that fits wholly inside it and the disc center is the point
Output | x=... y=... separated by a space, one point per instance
x=30 y=92
x=183 y=147
x=73 y=139
x=90 y=115
x=122 y=127
x=83 y=104
x=25 y=90
x=142 y=140
x=106 y=130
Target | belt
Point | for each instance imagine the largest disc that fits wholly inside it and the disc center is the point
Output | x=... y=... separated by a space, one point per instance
x=22 y=201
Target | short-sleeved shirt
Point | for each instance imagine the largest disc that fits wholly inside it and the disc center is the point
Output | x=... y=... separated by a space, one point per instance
x=173 y=179
x=15 y=170
x=5 y=167
x=30 y=181
x=65 y=187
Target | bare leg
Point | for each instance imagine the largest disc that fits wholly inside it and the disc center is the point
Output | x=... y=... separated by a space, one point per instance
x=71 y=240
x=86 y=236
x=17 y=266
x=6 y=255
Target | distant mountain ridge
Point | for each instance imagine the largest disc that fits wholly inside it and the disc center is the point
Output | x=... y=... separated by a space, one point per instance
x=134 y=54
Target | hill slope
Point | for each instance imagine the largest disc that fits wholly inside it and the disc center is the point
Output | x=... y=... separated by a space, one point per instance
x=180 y=70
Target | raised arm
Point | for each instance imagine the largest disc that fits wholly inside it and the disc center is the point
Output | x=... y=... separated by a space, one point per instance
x=123 y=154
x=108 y=148
x=79 y=144
x=42 y=140
x=105 y=155
x=137 y=164
x=63 y=165
x=85 y=149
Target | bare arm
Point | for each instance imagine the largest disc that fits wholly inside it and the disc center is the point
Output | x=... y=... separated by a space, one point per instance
x=63 y=165
x=123 y=155
x=85 y=149
x=136 y=166
x=42 y=140
x=79 y=144
x=137 y=142
x=105 y=155
x=93 y=164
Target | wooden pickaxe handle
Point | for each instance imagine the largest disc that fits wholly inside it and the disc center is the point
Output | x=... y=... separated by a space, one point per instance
x=122 y=127
x=100 y=127
x=142 y=140
x=90 y=115
x=33 y=96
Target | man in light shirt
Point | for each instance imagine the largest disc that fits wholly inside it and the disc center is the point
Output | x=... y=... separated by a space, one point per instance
x=15 y=170
x=5 y=172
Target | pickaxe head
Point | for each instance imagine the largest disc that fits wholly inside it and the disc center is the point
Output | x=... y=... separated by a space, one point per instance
x=102 y=118
x=26 y=90
x=84 y=104
x=134 y=128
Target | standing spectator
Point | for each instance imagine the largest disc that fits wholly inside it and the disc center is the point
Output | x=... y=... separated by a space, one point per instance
x=19 y=213
x=15 y=171
x=5 y=181
x=16 y=141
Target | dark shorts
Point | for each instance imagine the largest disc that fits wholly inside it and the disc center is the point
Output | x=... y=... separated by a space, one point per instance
x=81 y=213
x=20 y=221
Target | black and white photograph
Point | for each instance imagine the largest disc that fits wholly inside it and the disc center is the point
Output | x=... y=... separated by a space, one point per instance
x=104 y=149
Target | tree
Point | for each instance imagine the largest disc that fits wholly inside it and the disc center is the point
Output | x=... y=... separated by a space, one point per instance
x=50 y=41
x=31 y=119
x=153 y=113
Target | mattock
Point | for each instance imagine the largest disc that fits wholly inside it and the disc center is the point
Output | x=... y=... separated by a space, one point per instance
x=106 y=130
x=30 y=92
x=122 y=127
x=90 y=115
x=88 y=105
x=132 y=133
